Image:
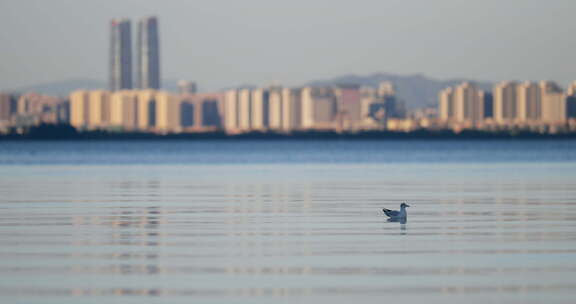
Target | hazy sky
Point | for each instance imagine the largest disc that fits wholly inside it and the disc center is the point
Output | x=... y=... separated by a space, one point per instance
x=226 y=43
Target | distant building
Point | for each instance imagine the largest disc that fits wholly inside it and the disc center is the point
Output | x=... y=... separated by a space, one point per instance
x=202 y=112
x=319 y=108
x=505 y=102
x=259 y=110
x=120 y=55
x=245 y=110
x=148 y=54
x=349 y=107
x=186 y=87
x=463 y=104
x=386 y=88
x=8 y=106
x=168 y=119
x=529 y=102
x=468 y=104
x=146 y=109
x=446 y=105
x=553 y=103
x=98 y=109
x=231 y=111
x=124 y=110
x=79 y=107
x=284 y=109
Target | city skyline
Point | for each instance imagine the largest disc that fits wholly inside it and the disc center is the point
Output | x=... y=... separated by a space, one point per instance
x=216 y=48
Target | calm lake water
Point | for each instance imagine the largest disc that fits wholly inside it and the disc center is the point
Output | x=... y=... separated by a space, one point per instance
x=287 y=222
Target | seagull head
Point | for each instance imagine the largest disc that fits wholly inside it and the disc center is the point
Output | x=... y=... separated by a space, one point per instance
x=404 y=205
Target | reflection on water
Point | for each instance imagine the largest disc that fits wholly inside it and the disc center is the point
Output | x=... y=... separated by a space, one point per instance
x=257 y=233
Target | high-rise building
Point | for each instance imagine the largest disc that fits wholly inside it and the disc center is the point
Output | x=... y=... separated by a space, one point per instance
x=79 y=107
x=260 y=109
x=529 y=103
x=318 y=108
x=291 y=109
x=349 y=106
x=124 y=110
x=244 y=109
x=284 y=109
x=553 y=103
x=148 y=54
x=231 y=106
x=446 y=104
x=468 y=103
x=7 y=106
x=168 y=118
x=505 y=102
x=120 y=55
x=98 y=109
x=464 y=103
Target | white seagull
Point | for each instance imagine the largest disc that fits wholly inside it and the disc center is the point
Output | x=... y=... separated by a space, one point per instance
x=397 y=215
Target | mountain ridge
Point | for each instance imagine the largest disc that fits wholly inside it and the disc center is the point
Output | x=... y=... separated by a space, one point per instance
x=416 y=90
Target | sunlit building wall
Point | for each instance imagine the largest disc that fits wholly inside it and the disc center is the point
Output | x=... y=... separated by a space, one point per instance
x=259 y=110
x=446 y=104
x=124 y=110
x=276 y=108
x=146 y=109
x=553 y=103
x=505 y=102
x=167 y=112
x=98 y=109
x=307 y=108
x=468 y=104
x=291 y=110
x=79 y=107
x=529 y=102
x=231 y=110
x=244 y=109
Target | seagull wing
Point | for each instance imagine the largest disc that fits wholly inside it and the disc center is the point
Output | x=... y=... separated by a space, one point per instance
x=391 y=213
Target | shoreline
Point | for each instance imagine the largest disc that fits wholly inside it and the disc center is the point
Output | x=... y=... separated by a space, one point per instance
x=66 y=132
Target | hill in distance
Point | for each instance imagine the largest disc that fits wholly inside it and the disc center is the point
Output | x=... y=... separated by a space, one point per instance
x=416 y=90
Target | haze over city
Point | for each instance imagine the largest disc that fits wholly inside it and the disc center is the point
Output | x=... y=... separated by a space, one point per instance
x=261 y=151
x=223 y=44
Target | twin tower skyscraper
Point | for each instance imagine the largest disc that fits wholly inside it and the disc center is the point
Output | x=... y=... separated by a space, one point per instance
x=147 y=55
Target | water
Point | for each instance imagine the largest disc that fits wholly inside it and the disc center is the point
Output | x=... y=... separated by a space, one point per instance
x=287 y=222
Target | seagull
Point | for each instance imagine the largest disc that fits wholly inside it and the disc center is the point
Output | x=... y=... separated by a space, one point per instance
x=397 y=215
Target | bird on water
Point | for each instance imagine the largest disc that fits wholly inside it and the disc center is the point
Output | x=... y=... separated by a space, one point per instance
x=395 y=214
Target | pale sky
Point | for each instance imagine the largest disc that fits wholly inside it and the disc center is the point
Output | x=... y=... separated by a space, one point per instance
x=226 y=43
